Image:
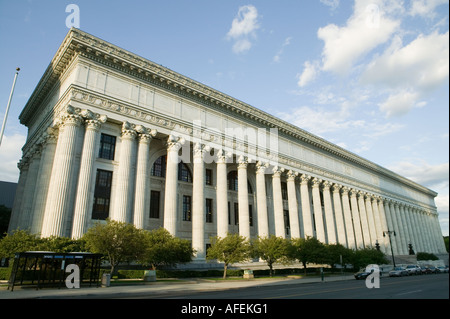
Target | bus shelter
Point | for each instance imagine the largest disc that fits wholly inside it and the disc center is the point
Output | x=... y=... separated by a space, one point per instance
x=49 y=269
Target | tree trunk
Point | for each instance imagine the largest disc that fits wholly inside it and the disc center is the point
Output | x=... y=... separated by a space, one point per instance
x=225 y=271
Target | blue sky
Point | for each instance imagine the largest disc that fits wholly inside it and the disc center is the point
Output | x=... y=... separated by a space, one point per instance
x=368 y=75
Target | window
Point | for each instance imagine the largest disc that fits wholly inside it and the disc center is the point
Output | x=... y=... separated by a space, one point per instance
x=232 y=181
x=187 y=201
x=284 y=193
x=107 y=147
x=102 y=195
x=184 y=174
x=209 y=210
x=208 y=177
x=229 y=213
x=250 y=214
x=159 y=167
x=154 y=204
x=236 y=213
x=287 y=224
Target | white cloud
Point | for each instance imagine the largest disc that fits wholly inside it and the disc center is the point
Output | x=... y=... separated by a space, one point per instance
x=333 y=4
x=10 y=154
x=243 y=27
x=366 y=29
x=277 y=56
x=410 y=72
x=425 y=8
x=423 y=173
x=309 y=73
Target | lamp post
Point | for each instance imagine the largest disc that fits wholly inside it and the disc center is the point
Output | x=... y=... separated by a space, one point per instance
x=9 y=103
x=389 y=233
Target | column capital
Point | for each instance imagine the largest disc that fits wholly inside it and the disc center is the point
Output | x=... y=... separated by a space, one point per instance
x=304 y=179
x=261 y=167
x=222 y=157
x=128 y=131
x=292 y=175
x=316 y=182
x=277 y=171
x=242 y=162
x=345 y=190
x=336 y=188
x=326 y=185
x=174 y=143
x=199 y=150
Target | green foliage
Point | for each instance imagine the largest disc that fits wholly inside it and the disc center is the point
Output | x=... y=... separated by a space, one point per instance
x=118 y=241
x=19 y=241
x=309 y=250
x=446 y=242
x=272 y=250
x=363 y=257
x=231 y=249
x=426 y=256
x=163 y=249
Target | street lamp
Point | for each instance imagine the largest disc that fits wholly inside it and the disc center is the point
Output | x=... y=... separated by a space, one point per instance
x=389 y=233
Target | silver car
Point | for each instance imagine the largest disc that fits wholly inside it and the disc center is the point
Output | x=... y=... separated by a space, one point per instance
x=413 y=270
x=398 y=272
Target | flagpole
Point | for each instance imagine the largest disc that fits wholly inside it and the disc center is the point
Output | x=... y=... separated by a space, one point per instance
x=9 y=104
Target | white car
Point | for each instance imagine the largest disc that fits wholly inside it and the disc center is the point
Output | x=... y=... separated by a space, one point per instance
x=413 y=270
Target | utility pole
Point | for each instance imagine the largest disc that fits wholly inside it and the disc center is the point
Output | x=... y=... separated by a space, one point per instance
x=9 y=104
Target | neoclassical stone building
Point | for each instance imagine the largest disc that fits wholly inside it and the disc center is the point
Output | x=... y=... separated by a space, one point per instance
x=113 y=135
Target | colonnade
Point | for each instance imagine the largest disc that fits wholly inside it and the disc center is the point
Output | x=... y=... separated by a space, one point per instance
x=54 y=195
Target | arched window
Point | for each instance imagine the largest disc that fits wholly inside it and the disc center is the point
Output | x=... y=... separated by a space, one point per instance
x=159 y=169
x=232 y=180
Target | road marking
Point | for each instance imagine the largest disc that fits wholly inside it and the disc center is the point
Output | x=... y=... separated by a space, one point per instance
x=409 y=292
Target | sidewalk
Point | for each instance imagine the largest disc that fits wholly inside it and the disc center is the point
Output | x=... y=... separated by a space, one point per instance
x=161 y=286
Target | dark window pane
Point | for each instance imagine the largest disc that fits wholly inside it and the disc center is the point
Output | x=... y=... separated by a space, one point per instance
x=154 y=204
x=186 y=208
x=107 y=147
x=102 y=195
x=209 y=210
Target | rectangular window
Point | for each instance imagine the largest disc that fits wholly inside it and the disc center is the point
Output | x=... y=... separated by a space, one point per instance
x=187 y=200
x=236 y=213
x=208 y=177
x=154 y=204
x=229 y=213
x=250 y=214
x=209 y=210
x=284 y=193
x=287 y=224
x=107 y=147
x=102 y=195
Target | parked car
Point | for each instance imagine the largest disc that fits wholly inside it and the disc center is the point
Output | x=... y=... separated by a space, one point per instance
x=412 y=269
x=431 y=270
x=363 y=273
x=398 y=272
x=441 y=270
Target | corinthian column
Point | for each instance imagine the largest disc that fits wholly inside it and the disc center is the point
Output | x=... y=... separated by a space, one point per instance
x=278 y=203
x=348 y=218
x=318 y=216
x=359 y=241
x=61 y=182
x=340 y=225
x=198 y=202
x=244 y=218
x=84 y=189
x=364 y=221
x=222 y=195
x=170 y=199
x=293 y=206
x=306 y=206
x=142 y=199
x=263 y=222
x=124 y=181
x=329 y=218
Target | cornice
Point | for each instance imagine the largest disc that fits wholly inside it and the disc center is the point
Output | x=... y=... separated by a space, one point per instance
x=78 y=42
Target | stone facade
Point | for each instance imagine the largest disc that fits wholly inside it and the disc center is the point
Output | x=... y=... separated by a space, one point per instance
x=113 y=135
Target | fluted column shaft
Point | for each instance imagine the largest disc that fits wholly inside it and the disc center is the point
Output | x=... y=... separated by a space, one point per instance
x=82 y=203
x=60 y=189
x=389 y=227
x=293 y=206
x=278 y=203
x=45 y=173
x=359 y=239
x=306 y=206
x=403 y=238
x=318 y=215
x=124 y=180
x=348 y=218
x=371 y=220
x=222 y=196
x=364 y=220
x=170 y=198
x=329 y=218
x=142 y=199
x=198 y=203
x=340 y=225
x=27 y=210
x=263 y=222
x=244 y=218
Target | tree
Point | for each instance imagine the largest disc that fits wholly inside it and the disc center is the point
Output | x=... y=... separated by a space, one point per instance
x=272 y=250
x=18 y=241
x=309 y=250
x=5 y=216
x=367 y=256
x=62 y=244
x=118 y=241
x=231 y=249
x=163 y=249
x=334 y=252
